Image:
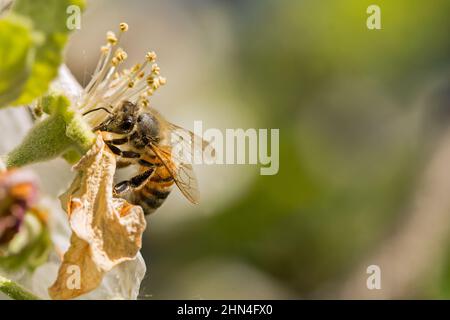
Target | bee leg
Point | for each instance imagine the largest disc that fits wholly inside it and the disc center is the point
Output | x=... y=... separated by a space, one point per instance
x=117 y=142
x=133 y=183
x=145 y=163
x=123 y=154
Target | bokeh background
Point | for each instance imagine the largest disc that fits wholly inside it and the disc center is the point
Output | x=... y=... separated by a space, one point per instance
x=364 y=151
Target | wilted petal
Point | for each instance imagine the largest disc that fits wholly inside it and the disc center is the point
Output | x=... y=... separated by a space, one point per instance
x=106 y=231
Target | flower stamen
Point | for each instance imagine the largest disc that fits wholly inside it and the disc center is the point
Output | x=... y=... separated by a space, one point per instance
x=110 y=85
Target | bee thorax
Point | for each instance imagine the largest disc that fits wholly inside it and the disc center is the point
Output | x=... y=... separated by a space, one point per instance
x=147 y=126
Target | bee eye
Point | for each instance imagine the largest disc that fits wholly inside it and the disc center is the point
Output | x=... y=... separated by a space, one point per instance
x=127 y=124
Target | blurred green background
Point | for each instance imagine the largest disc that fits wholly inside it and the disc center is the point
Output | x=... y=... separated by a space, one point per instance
x=360 y=114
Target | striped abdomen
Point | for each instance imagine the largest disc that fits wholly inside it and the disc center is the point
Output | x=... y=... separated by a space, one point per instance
x=153 y=194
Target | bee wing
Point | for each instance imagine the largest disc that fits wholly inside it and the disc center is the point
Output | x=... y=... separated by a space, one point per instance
x=181 y=171
x=190 y=142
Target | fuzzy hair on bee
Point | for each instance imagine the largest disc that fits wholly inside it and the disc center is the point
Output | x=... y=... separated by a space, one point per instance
x=139 y=135
x=136 y=133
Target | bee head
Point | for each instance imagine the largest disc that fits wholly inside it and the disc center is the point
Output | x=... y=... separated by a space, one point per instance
x=123 y=120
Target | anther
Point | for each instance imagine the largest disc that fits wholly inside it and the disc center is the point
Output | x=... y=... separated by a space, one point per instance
x=123 y=27
x=162 y=81
x=151 y=56
x=155 y=69
x=111 y=37
x=150 y=80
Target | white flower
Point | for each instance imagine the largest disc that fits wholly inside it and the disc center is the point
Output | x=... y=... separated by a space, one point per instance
x=123 y=281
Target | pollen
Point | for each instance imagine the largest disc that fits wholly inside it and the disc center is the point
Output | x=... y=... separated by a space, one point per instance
x=162 y=81
x=111 y=84
x=151 y=56
x=145 y=102
x=123 y=27
x=136 y=67
x=121 y=55
x=150 y=80
x=111 y=37
x=156 y=84
x=155 y=69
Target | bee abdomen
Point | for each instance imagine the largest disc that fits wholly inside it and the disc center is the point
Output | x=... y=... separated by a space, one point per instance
x=151 y=197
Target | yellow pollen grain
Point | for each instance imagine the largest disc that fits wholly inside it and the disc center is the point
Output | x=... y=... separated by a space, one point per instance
x=136 y=67
x=121 y=55
x=111 y=37
x=162 y=81
x=151 y=56
x=104 y=49
x=156 y=84
x=150 y=80
x=123 y=27
x=155 y=69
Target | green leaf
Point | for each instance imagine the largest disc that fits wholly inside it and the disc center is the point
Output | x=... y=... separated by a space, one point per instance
x=32 y=39
x=45 y=68
x=51 y=22
x=49 y=16
x=16 y=54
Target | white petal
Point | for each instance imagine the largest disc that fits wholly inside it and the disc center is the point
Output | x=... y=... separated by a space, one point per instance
x=123 y=281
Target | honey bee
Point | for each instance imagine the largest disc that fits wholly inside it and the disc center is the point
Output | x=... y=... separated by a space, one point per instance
x=141 y=136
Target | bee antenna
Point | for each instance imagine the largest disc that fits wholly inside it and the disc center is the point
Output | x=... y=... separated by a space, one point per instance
x=97 y=109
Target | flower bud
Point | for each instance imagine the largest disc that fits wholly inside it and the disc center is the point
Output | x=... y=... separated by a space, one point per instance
x=18 y=192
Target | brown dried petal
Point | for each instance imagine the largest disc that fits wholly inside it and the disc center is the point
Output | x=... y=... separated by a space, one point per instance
x=106 y=231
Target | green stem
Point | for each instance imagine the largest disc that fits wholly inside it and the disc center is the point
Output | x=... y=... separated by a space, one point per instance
x=15 y=291
x=64 y=132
